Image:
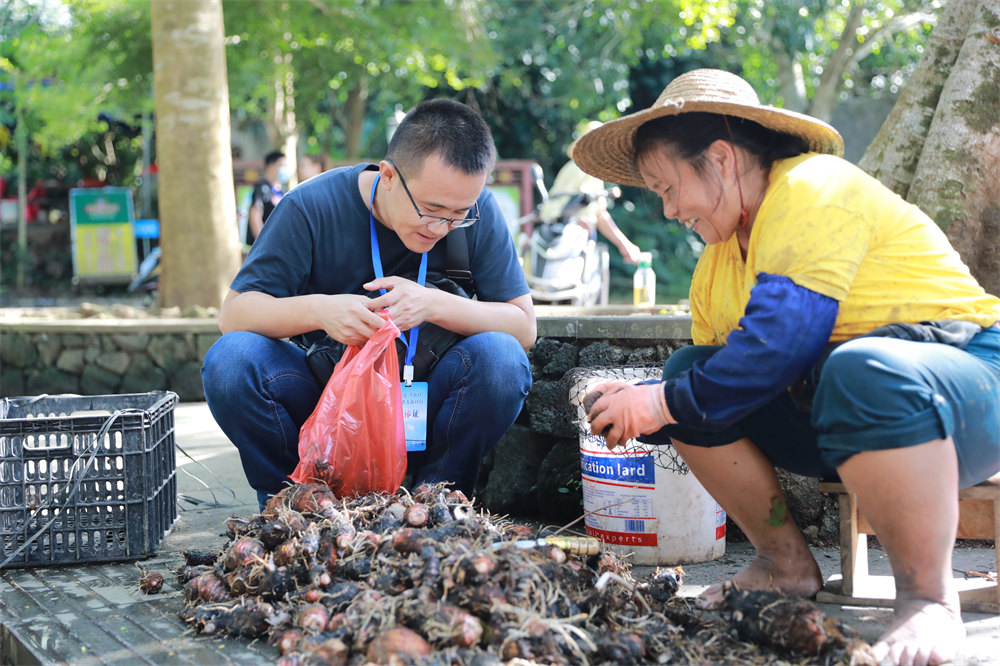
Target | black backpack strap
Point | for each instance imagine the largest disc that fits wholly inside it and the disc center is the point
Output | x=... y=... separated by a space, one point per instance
x=458 y=259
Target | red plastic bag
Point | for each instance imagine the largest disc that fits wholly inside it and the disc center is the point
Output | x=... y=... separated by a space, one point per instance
x=354 y=440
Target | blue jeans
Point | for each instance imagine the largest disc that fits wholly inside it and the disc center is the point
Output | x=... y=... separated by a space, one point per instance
x=874 y=393
x=260 y=392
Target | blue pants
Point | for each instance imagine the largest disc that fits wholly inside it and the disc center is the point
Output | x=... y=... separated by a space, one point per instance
x=874 y=393
x=260 y=392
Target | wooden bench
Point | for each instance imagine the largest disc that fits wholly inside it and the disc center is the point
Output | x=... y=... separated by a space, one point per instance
x=979 y=518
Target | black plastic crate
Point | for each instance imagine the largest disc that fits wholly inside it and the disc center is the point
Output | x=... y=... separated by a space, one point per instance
x=86 y=478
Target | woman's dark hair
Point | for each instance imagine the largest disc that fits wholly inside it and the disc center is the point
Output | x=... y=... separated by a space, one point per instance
x=447 y=127
x=688 y=135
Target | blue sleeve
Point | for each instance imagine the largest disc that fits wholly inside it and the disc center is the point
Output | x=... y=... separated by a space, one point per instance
x=782 y=334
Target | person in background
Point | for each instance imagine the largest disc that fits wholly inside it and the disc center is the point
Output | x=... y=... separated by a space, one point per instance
x=311 y=274
x=309 y=166
x=267 y=193
x=571 y=181
x=837 y=333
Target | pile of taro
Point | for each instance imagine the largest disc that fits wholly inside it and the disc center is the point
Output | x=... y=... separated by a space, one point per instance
x=426 y=578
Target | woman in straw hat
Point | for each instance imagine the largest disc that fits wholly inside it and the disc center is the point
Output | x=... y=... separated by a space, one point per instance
x=836 y=333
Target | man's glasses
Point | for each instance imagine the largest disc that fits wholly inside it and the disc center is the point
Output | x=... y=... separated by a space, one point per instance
x=435 y=220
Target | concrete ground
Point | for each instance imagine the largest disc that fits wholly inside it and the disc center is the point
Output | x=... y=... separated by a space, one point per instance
x=95 y=614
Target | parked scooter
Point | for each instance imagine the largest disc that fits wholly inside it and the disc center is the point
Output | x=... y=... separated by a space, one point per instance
x=562 y=260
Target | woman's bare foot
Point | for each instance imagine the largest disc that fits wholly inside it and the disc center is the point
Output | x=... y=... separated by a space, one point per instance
x=799 y=577
x=922 y=633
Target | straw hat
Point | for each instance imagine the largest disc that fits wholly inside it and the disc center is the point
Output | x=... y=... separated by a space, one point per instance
x=608 y=152
x=588 y=126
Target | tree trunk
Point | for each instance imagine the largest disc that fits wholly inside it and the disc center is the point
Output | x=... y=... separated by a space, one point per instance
x=356 y=100
x=940 y=146
x=956 y=180
x=197 y=201
x=831 y=81
x=284 y=131
x=893 y=154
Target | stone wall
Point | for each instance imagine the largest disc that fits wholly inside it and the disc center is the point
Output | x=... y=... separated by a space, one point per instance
x=94 y=357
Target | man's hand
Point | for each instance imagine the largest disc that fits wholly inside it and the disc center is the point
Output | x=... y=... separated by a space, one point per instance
x=624 y=411
x=408 y=303
x=347 y=318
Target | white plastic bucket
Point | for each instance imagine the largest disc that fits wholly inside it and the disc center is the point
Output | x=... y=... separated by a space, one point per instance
x=636 y=505
x=662 y=517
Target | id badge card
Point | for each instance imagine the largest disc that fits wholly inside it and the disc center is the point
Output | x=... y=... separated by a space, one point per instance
x=415 y=415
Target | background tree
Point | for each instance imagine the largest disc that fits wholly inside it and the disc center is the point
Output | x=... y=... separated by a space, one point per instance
x=201 y=252
x=808 y=55
x=333 y=71
x=44 y=74
x=940 y=146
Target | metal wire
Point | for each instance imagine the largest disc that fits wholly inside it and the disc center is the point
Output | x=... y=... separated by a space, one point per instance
x=578 y=382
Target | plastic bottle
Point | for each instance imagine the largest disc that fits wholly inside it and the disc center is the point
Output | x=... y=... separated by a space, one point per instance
x=644 y=282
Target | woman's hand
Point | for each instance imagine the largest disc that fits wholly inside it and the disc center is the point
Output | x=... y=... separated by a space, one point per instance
x=620 y=411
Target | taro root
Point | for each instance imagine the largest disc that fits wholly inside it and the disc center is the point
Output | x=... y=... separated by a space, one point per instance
x=478 y=566
x=424 y=493
x=390 y=518
x=151 y=583
x=308 y=498
x=187 y=572
x=239 y=582
x=622 y=648
x=466 y=629
x=287 y=640
x=248 y=620
x=313 y=618
x=276 y=584
x=204 y=619
x=417 y=515
x=237 y=527
x=341 y=594
x=274 y=533
x=331 y=652
x=518 y=532
x=347 y=590
x=440 y=513
x=245 y=551
x=790 y=624
x=664 y=583
x=287 y=552
x=199 y=557
x=326 y=554
x=318 y=576
x=207 y=587
x=408 y=540
x=398 y=645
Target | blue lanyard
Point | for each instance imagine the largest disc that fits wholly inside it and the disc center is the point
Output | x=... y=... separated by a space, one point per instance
x=411 y=346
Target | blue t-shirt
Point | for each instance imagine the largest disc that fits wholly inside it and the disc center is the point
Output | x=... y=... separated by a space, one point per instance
x=318 y=241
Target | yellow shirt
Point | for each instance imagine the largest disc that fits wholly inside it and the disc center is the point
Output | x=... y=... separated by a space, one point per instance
x=831 y=228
